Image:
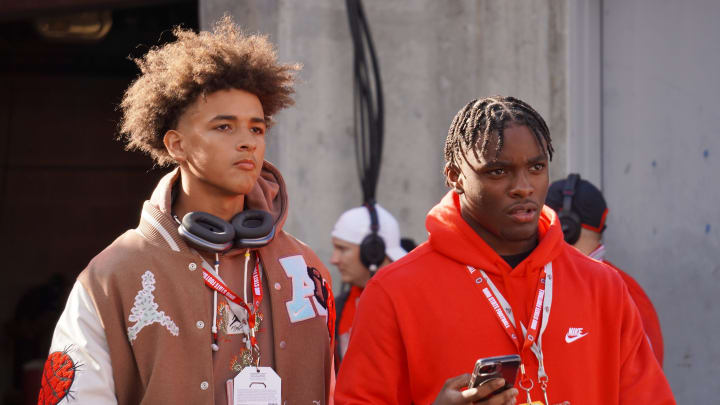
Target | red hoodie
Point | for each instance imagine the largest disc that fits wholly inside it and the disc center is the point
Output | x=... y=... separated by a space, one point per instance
x=649 y=317
x=422 y=320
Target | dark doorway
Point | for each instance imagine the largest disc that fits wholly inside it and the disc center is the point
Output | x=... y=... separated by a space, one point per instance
x=67 y=187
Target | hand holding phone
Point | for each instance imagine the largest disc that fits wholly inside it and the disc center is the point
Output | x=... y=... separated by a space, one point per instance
x=490 y=368
x=454 y=392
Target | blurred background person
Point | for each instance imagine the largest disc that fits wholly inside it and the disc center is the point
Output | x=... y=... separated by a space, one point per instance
x=364 y=240
x=583 y=212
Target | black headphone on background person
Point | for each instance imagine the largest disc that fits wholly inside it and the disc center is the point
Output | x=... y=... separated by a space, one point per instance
x=372 y=247
x=249 y=229
x=569 y=219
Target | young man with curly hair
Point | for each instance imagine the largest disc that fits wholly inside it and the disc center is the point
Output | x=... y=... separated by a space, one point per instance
x=496 y=278
x=199 y=294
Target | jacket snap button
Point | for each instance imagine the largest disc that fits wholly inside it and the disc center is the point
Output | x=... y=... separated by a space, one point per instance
x=200 y=324
x=278 y=286
x=204 y=385
x=192 y=266
x=282 y=344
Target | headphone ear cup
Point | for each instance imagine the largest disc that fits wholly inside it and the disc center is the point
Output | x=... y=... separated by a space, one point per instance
x=571 y=224
x=206 y=231
x=253 y=228
x=372 y=250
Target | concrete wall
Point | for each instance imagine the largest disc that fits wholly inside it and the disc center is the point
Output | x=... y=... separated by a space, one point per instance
x=434 y=57
x=660 y=167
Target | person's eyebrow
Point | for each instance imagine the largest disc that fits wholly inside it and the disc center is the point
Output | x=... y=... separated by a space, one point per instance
x=497 y=162
x=538 y=159
x=503 y=163
x=224 y=118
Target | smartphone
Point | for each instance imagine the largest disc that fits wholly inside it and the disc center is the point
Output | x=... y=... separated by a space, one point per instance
x=489 y=368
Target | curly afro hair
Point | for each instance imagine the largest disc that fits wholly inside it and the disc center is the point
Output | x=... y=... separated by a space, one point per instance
x=175 y=75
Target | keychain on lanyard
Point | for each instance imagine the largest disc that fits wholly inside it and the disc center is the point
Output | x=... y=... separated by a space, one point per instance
x=533 y=335
x=213 y=280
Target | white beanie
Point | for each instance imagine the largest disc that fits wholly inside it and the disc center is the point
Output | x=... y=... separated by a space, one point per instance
x=354 y=225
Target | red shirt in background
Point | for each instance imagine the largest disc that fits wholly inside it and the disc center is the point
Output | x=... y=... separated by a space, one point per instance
x=649 y=317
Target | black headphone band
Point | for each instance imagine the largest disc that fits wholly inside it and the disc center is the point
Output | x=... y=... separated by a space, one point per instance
x=372 y=247
x=569 y=219
x=374 y=224
x=569 y=191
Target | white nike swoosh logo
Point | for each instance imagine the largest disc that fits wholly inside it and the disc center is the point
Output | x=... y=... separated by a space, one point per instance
x=296 y=313
x=570 y=339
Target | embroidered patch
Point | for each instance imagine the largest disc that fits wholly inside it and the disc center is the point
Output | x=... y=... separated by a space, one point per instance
x=230 y=323
x=241 y=360
x=300 y=307
x=321 y=291
x=312 y=295
x=57 y=379
x=323 y=297
x=145 y=312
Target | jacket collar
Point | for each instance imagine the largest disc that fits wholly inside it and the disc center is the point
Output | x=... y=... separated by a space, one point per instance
x=598 y=253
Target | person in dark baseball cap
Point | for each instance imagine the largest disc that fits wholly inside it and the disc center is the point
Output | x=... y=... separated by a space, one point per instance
x=582 y=212
x=580 y=205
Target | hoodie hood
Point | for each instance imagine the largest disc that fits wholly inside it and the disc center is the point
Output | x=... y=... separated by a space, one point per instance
x=451 y=236
x=269 y=194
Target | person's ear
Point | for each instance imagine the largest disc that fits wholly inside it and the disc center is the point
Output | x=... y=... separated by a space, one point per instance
x=173 y=141
x=453 y=178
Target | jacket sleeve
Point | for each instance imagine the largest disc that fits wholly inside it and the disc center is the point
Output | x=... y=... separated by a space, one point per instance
x=374 y=370
x=79 y=344
x=642 y=380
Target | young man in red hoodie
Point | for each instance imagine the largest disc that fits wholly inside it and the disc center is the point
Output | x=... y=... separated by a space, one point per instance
x=496 y=278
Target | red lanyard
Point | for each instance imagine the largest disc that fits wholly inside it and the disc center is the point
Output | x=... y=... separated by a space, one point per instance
x=512 y=329
x=533 y=334
x=216 y=283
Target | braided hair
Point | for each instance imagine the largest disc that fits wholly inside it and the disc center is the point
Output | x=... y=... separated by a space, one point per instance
x=480 y=119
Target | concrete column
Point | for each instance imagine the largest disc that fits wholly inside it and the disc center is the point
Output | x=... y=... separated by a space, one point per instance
x=584 y=143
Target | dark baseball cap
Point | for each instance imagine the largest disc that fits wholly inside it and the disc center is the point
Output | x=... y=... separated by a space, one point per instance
x=588 y=202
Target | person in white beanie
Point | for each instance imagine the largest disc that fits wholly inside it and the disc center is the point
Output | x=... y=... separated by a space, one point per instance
x=364 y=239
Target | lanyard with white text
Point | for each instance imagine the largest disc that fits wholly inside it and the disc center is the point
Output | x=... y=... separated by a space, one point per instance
x=533 y=336
x=214 y=281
